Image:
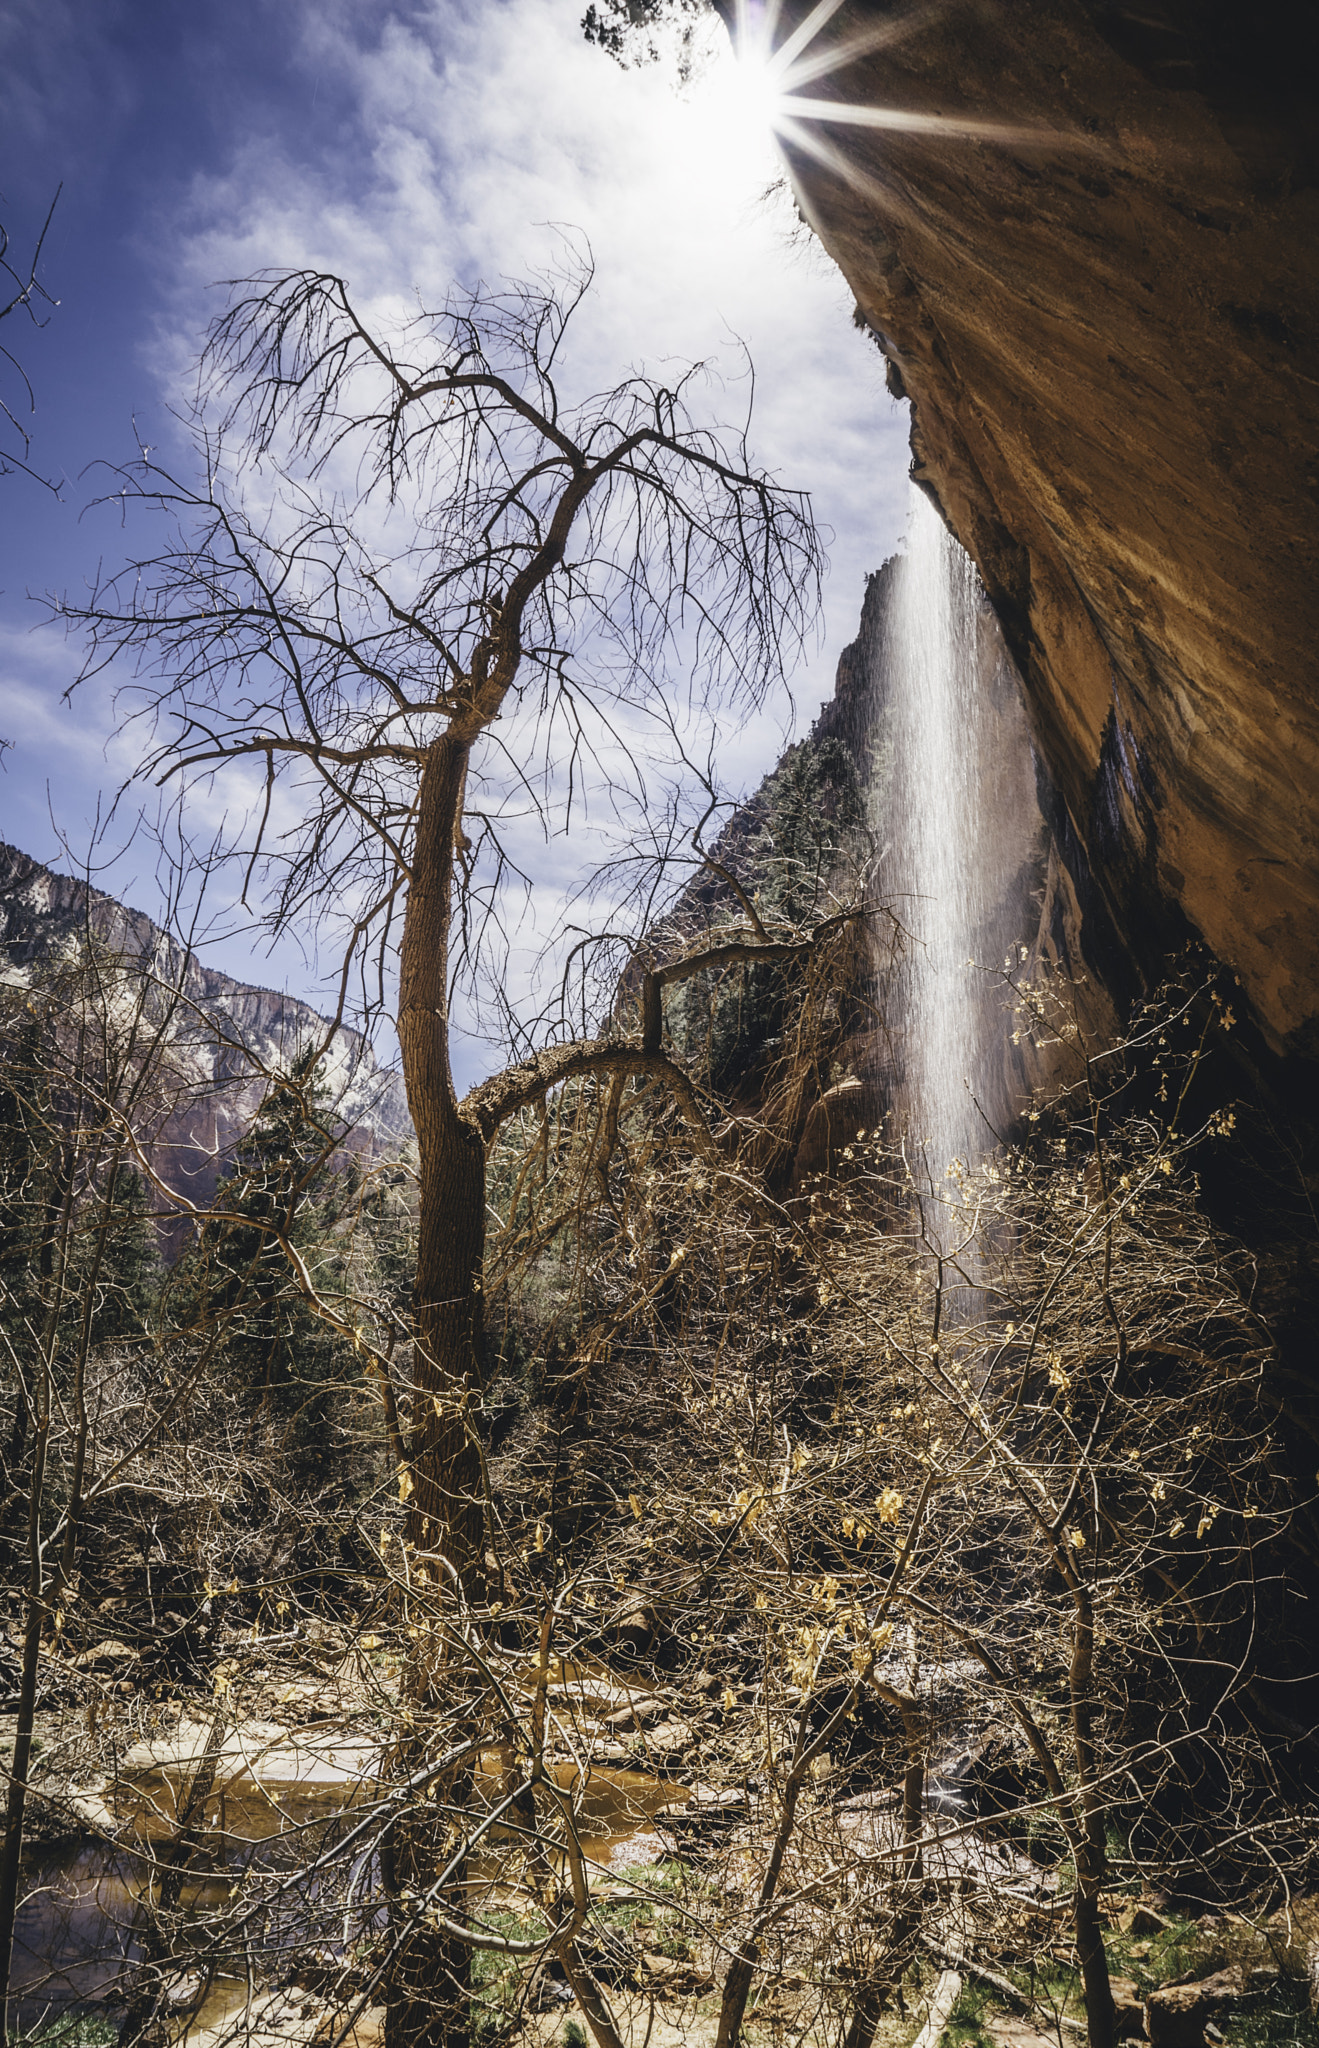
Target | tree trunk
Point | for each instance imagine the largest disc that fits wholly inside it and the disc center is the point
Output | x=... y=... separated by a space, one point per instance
x=445 y=1510
x=947 y=1991
x=428 y=1996
x=1088 y=1845
x=428 y=1991
x=1100 y=2012
x=21 y=1761
x=908 y=1900
x=153 y=1921
x=742 y=1970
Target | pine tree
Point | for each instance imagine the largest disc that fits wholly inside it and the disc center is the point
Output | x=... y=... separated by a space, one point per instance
x=128 y=1267
x=283 y=1359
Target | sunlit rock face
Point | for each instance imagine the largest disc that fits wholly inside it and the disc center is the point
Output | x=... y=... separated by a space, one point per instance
x=1107 y=319
x=225 y=1038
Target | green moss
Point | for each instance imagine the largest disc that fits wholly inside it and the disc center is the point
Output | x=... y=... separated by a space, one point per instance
x=1279 y=2019
x=967 y=2022
x=75 y=2030
x=1050 y=1983
x=1182 y=1950
x=497 y=1979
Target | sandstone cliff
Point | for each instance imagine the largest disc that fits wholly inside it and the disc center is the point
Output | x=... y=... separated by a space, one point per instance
x=853 y=775
x=1106 y=315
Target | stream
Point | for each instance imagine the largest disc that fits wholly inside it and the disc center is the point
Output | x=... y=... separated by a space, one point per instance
x=77 y=1929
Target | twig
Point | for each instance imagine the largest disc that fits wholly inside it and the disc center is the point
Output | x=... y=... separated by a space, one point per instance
x=1011 y=1994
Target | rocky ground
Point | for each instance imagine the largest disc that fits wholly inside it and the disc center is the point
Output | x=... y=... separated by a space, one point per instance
x=112 y=1760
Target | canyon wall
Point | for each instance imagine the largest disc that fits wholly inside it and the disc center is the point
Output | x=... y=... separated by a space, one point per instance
x=226 y=1037
x=1095 y=278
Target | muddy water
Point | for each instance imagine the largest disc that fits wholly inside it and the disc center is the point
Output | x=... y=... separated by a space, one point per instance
x=76 y=1929
x=612 y=1808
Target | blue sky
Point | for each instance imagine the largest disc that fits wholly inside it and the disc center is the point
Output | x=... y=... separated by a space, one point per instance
x=402 y=145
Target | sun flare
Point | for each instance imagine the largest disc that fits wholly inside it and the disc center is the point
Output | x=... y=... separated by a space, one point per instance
x=754 y=91
x=765 y=93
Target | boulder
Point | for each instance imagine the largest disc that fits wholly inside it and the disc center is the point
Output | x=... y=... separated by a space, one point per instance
x=1129 y=2011
x=1176 y=2014
x=637 y=1713
x=669 y=1739
x=1142 y=1921
x=675 y=1974
x=107 y=1655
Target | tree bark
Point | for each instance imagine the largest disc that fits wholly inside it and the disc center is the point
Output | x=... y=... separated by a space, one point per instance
x=445 y=1509
x=1089 y=1846
x=21 y=1762
x=429 y=1995
x=899 y=1945
x=152 y=1921
x=742 y=1970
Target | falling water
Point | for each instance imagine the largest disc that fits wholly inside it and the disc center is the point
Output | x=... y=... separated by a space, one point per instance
x=952 y=820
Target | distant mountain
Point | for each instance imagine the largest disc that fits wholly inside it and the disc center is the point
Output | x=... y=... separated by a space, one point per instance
x=227 y=1032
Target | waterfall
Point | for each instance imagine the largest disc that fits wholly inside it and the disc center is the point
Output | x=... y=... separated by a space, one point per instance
x=956 y=746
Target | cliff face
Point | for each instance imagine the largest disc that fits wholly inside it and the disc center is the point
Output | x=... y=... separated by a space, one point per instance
x=225 y=1038
x=857 y=773
x=1106 y=315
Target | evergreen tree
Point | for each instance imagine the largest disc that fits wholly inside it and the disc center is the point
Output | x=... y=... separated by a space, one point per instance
x=810 y=819
x=70 y=1207
x=281 y=1190
x=18 y=1234
x=127 y=1279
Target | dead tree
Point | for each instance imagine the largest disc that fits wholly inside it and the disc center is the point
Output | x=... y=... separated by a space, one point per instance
x=413 y=560
x=23 y=293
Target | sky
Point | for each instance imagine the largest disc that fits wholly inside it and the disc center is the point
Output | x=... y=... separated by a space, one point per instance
x=403 y=146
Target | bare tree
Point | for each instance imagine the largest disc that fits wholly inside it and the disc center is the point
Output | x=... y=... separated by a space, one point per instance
x=402 y=541
x=26 y=294
x=80 y=1070
x=1009 y=1473
x=573 y=551
x=814 y=1503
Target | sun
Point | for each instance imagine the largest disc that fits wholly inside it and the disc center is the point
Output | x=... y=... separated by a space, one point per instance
x=762 y=89
x=761 y=107
x=753 y=91
x=740 y=94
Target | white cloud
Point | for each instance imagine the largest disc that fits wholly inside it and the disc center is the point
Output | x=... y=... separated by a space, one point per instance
x=475 y=128
x=478 y=128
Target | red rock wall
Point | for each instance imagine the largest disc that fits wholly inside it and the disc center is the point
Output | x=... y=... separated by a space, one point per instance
x=1107 y=318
